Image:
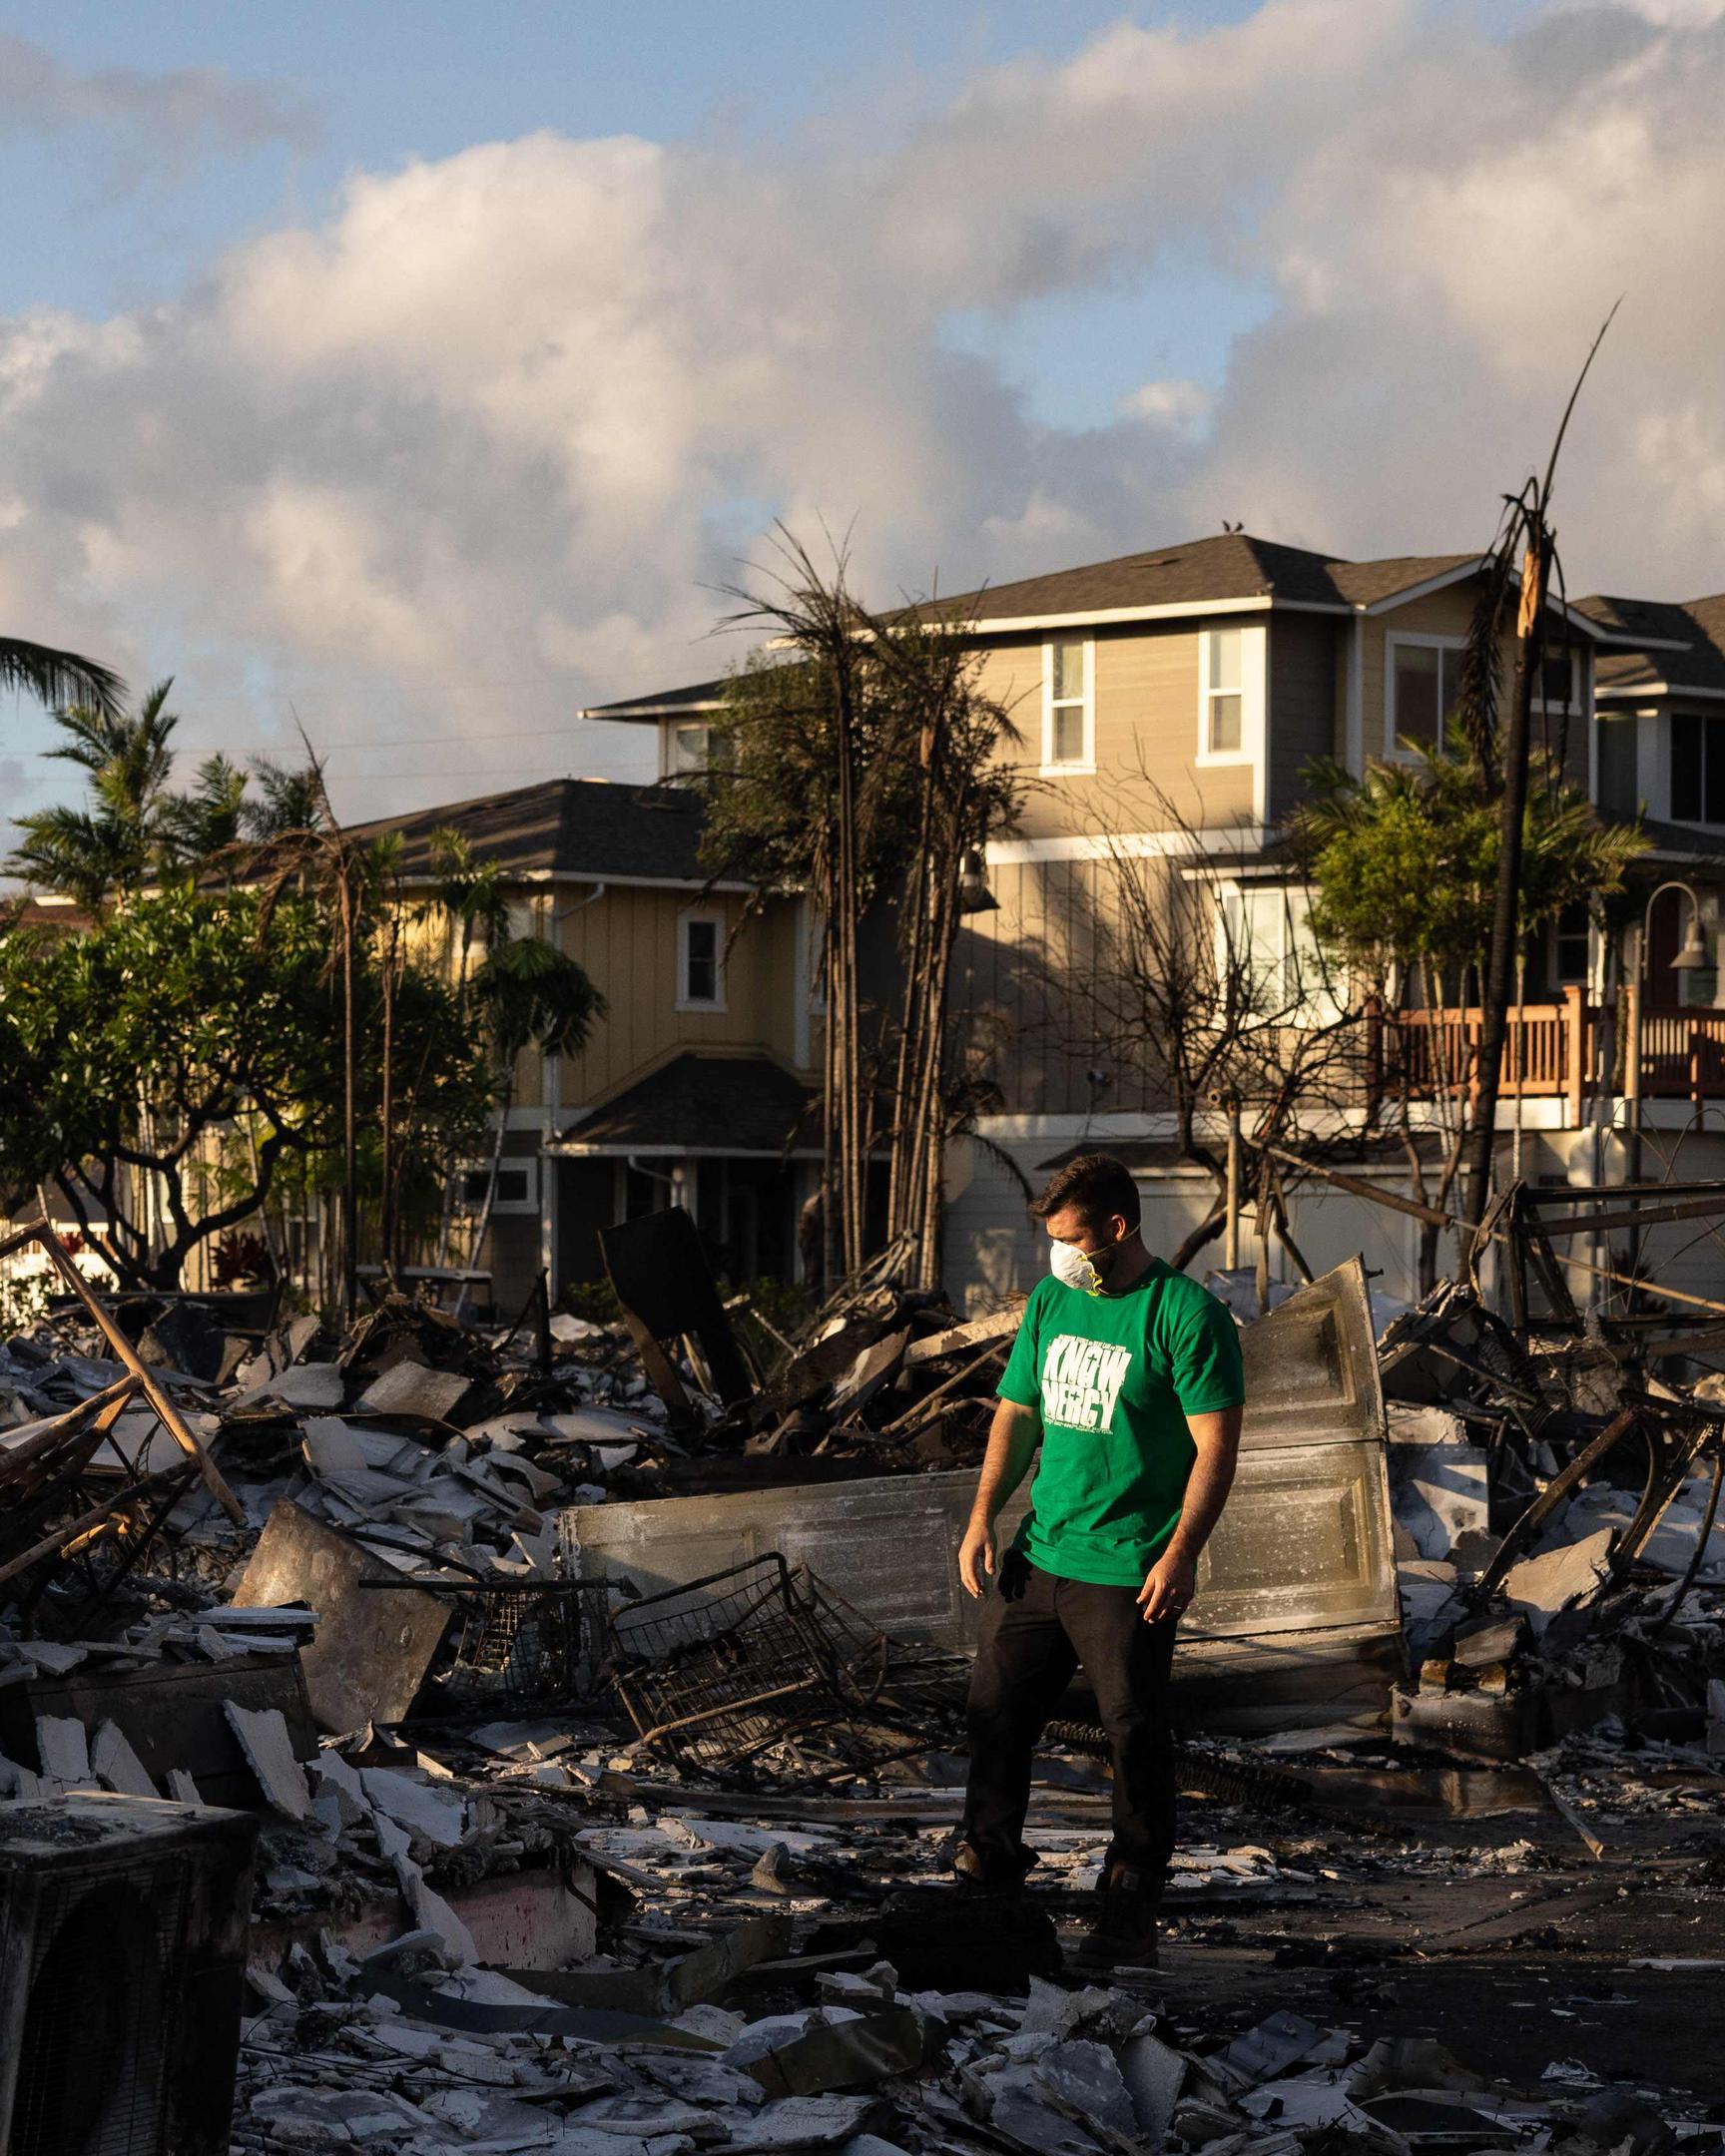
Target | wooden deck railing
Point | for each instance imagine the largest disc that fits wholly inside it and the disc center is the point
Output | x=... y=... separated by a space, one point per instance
x=1552 y=1049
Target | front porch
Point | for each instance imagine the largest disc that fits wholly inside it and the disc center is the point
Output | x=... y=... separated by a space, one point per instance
x=1558 y=1050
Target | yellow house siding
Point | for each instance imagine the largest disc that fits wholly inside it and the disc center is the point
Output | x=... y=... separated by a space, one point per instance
x=628 y=942
x=1039 y=1002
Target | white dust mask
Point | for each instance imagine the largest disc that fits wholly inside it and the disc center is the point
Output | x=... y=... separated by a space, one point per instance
x=1070 y=1266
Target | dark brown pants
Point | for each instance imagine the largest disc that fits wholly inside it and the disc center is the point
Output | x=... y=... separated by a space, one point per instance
x=1032 y=1644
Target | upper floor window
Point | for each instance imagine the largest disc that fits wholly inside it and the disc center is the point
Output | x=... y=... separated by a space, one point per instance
x=700 y=962
x=1423 y=685
x=1224 y=697
x=1233 y=696
x=1068 y=705
x=1697 y=768
x=1619 y=782
x=688 y=747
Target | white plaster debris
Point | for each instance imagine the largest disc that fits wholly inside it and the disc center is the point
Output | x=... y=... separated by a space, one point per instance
x=414 y=1805
x=116 y=1766
x=263 y=1737
x=1543 y=1585
x=63 y=1749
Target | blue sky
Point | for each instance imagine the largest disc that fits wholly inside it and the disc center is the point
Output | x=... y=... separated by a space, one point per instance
x=416 y=372
x=368 y=86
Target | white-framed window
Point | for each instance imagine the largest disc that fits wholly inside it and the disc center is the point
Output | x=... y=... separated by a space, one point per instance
x=517 y=1184
x=700 y=963
x=1697 y=768
x=1222 y=729
x=688 y=747
x=1233 y=697
x=1069 y=704
x=1267 y=930
x=1421 y=687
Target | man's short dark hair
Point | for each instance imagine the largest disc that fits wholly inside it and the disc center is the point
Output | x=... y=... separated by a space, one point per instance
x=1097 y=1183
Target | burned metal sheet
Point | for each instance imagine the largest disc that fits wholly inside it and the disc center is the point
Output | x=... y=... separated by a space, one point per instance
x=373 y=1650
x=1303 y=1547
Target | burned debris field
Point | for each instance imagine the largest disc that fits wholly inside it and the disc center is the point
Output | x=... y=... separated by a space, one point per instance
x=552 y=1739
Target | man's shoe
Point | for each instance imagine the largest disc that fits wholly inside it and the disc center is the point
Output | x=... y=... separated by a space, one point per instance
x=1124 y=1931
x=974 y=1879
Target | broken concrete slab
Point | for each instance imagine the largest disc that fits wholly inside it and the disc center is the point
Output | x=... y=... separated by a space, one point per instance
x=415 y=1805
x=430 y=1913
x=268 y=1750
x=959 y=1340
x=1154 y=2073
x=798 y=2123
x=1539 y=1587
x=62 y=1749
x=410 y=1388
x=116 y=1766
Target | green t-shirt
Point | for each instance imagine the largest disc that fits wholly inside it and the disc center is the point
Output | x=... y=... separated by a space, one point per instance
x=1113 y=1379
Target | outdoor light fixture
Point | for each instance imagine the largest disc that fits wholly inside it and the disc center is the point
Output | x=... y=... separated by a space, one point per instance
x=1694 y=951
x=974 y=896
x=1693 y=956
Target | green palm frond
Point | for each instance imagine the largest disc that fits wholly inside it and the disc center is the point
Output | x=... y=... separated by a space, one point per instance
x=58 y=676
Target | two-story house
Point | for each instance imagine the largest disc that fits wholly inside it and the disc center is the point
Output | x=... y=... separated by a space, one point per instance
x=695 y=1086
x=1167 y=703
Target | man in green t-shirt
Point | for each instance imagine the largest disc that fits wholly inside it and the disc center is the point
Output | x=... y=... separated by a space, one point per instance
x=1128 y=1375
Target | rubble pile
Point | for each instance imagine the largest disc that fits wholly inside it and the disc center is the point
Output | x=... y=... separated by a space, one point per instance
x=780 y=1973
x=1560 y=1553
x=599 y=1712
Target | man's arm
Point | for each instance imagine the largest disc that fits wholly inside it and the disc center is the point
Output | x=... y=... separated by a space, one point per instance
x=1173 y=1578
x=1011 y=1443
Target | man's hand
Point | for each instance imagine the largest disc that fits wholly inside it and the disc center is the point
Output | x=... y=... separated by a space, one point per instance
x=1168 y=1586
x=976 y=1560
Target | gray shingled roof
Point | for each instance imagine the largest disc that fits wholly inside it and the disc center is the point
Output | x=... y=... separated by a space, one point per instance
x=698 y=696
x=1364 y=583
x=1196 y=573
x=1233 y=565
x=570 y=827
x=706 y=1104
x=1642 y=628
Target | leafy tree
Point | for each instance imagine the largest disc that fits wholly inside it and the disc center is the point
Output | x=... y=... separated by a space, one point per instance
x=112 y=845
x=132 y=830
x=131 y=1052
x=1403 y=866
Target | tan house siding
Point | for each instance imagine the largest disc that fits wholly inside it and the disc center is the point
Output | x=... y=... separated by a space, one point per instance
x=1441 y=614
x=1145 y=694
x=1041 y=1007
x=1304 y=650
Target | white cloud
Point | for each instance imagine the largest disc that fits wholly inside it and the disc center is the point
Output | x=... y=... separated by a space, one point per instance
x=154 y=124
x=1173 y=406
x=467 y=452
